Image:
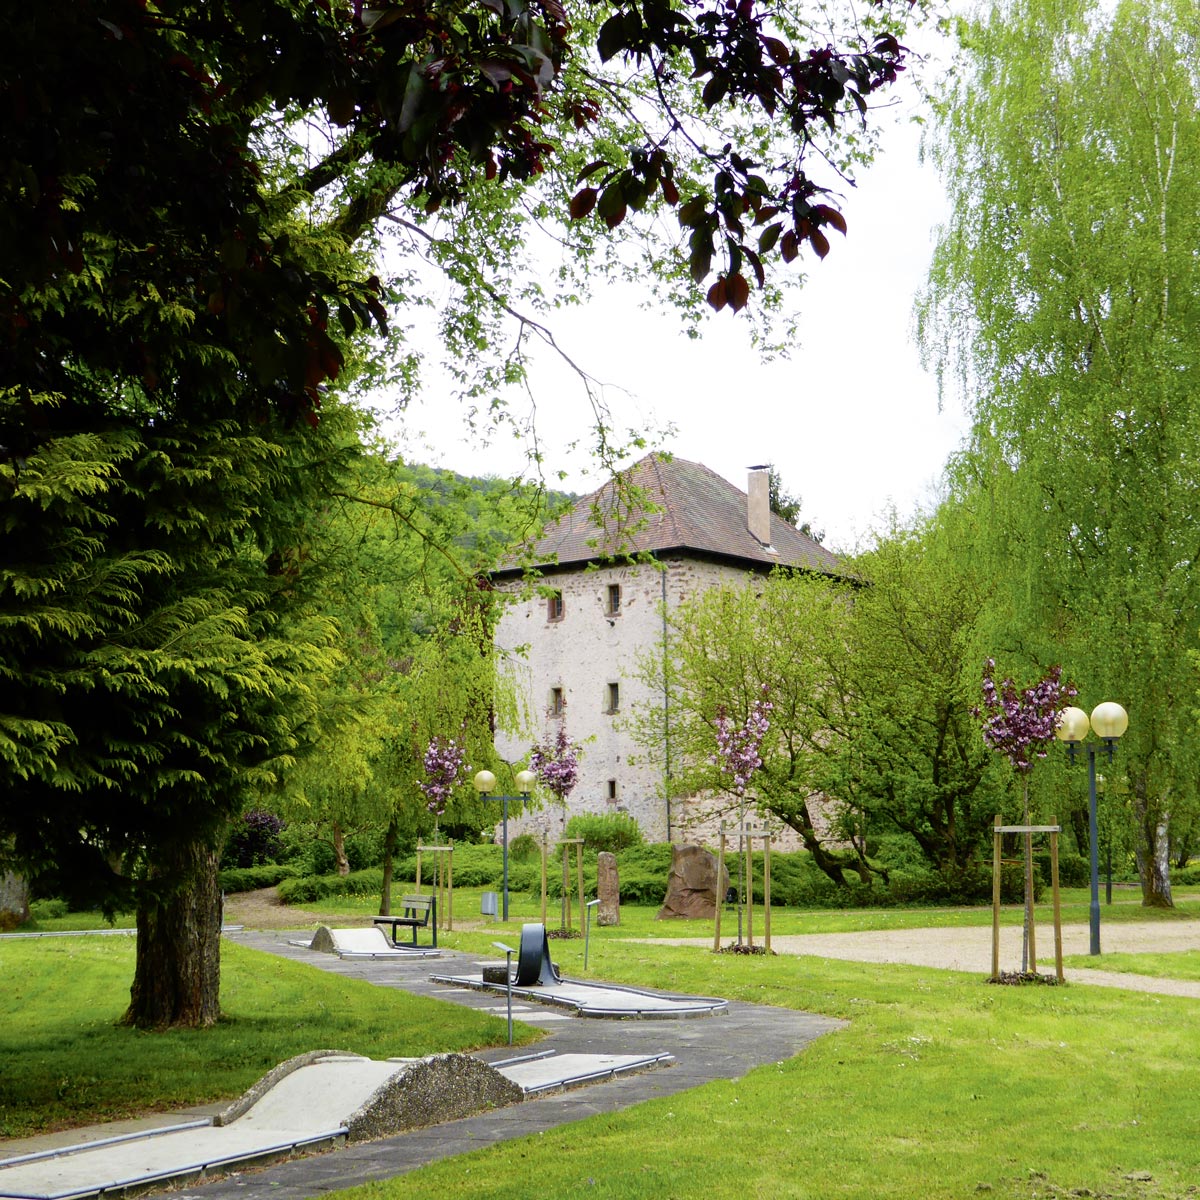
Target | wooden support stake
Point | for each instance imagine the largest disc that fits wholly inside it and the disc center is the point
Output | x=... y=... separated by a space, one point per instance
x=996 y=866
x=748 y=852
x=720 y=893
x=767 y=890
x=566 y=889
x=1058 y=967
x=545 y=850
x=579 y=876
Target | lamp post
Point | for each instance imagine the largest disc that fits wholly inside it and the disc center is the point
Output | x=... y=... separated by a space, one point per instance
x=1109 y=720
x=485 y=782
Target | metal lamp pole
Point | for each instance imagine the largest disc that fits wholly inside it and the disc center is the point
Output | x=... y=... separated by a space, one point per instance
x=485 y=782
x=1109 y=721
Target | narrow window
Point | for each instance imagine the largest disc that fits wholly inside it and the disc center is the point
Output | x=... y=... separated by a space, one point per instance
x=614 y=697
x=614 y=599
x=554 y=606
x=612 y=791
x=558 y=702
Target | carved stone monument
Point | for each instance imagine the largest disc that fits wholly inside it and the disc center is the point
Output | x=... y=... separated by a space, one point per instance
x=693 y=889
x=608 y=889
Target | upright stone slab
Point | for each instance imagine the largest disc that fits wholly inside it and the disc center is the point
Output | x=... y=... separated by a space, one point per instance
x=693 y=889
x=608 y=889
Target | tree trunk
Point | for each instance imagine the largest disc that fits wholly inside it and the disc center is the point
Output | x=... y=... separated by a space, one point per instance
x=339 y=850
x=389 y=849
x=14 y=900
x=1153 y=851
x=1154 y=859
x=177 y=977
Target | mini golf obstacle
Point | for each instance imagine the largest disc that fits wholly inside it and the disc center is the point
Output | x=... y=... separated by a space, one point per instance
x=315 y=1101
x=537 y=979
x=362 y=943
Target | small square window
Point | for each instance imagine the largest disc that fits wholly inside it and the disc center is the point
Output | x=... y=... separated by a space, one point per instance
x=613 y=603
x=558 y=702
x=554 y=606
x=614 y=697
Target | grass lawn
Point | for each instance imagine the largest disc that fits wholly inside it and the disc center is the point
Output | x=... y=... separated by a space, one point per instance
x=66 y=1061
x=1182 y=964
x=940 y=1086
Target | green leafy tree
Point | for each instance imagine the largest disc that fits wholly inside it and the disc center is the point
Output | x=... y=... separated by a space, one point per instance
x=190 y=194
x=1063 y=301
x=871 y=683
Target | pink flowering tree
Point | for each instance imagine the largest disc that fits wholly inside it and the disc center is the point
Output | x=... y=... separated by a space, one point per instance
x=557 y=766
x=445 y=768
x=738 y=756
x=1020 y=723
x=739 y=747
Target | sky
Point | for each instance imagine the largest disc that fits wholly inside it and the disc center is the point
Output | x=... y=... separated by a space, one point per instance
x=851 y=420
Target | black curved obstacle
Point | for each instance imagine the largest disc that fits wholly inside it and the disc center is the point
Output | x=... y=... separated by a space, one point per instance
x=534 y=967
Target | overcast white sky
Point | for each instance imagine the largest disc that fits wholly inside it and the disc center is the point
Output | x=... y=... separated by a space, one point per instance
x=851 y=421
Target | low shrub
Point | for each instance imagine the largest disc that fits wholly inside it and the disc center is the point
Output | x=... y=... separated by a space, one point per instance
x=1073 y=870
x=1188 y=876
x=45 y=910
x=524 y=848
x=250 y=879
x=310 y=888
x=474 y=866
x=613 y=832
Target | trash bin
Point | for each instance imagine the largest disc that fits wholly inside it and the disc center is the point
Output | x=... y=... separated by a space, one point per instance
x=487 y=904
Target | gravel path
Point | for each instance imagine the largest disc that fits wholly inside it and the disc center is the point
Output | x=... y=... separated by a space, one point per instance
x=970 y=949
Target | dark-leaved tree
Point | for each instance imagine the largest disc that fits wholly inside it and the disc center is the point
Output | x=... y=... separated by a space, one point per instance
x=187 y=188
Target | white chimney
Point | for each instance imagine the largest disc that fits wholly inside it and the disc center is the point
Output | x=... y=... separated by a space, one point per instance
x=758 y=505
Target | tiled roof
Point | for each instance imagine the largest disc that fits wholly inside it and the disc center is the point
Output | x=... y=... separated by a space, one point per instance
x=698 y=510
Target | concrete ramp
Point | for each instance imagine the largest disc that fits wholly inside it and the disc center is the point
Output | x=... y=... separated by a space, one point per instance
x=319 y=1099
x=363 y=943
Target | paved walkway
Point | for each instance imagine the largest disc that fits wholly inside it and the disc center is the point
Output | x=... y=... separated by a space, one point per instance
x=722 y=1046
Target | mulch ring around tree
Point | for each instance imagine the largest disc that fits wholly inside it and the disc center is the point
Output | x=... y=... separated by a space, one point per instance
x=1020 y=978
x=743 y=948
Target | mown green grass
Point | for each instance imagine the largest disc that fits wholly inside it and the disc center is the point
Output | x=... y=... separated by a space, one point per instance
x=64 y=1060
x=1179 y=964
x=940 y=1086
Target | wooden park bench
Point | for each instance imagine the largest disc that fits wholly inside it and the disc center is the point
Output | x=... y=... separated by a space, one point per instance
x=416 y=912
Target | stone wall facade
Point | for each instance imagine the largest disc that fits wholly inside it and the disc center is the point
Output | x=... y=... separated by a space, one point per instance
x=574 y=658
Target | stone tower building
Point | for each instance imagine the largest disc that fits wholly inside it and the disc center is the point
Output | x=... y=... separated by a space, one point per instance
x=573 y=645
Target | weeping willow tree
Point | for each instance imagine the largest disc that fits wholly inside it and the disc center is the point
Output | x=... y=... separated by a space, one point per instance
x=1063 y=301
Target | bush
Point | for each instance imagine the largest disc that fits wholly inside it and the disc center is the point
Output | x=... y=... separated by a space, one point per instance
x=250 y=879
x=253 y=840
x=364 y=849
x=474 y=866
x=45 y=910
x=1187 y=876
x=310 y=888
x=524 y=848
x=613 y=832
x=1073 y=869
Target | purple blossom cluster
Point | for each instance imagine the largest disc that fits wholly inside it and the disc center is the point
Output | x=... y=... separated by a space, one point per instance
x=739 y=747
x=444 y=763
x=1020 y=724
x=557 y=766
